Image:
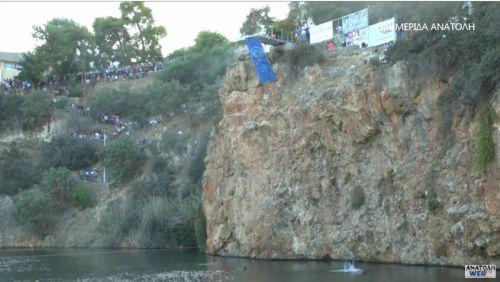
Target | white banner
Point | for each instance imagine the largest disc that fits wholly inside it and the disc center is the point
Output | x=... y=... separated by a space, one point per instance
x=321 y=32
x=382 y=32
x=357 y=37
x=355 y=21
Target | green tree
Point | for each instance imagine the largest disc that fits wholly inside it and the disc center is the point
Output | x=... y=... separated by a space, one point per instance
x=33 y=68
x=60 y=185
x=179 y=54
x=34 y=209
x=65 y=151
x=208 y=39
x=256 y=20
x=122 y=158
x=113 y=41
x=147 y=36
x=205 y=40
x=297 y=13
x=322 y=12
x=67 y=47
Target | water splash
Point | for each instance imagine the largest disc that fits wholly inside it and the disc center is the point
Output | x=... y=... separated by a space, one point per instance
x=349 y=267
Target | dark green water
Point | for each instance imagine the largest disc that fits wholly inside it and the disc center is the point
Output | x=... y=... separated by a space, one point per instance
x=163 y=265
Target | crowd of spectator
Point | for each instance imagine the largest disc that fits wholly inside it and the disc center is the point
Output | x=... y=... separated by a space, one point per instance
x=114 y=73
x=121 y=127
x=90 y=175
x=11 y=85
x=60 y=84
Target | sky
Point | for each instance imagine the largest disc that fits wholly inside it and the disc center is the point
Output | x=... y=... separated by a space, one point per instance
x=183 y=20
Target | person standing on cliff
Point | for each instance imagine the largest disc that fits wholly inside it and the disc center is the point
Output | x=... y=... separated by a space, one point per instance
x=331 y=47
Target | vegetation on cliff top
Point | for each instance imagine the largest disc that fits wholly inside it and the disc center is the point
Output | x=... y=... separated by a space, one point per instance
x=69 y=48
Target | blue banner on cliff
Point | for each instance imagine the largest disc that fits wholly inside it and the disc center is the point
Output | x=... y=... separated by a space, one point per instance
x=259 y=59
x=355 y=21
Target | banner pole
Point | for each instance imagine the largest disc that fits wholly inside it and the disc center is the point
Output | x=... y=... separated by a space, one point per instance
x=368 y=27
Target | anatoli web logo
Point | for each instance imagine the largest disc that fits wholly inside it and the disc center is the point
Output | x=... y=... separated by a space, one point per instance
x=481 y=271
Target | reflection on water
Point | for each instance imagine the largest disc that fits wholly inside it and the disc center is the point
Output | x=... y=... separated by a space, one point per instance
x=167 y=265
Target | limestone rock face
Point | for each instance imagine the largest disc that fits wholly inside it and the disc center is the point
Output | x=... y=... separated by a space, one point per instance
x=340 y=161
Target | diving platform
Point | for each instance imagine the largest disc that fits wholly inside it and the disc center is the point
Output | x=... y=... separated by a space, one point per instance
x=264 y=39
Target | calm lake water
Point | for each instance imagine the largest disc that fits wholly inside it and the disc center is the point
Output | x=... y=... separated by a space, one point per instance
x=167 y=265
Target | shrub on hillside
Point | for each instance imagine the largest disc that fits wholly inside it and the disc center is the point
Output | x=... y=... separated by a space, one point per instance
x=83 y=197
x=60 y=103
x=432 y=201
x=210 y=104
x=168 y=223
x=158 y=222
x=122 y=158
x=303 y=55
x=193 y=79
x=59 y=185
x=112 y=221
x=167 y=97
x=36 y=111
x=33 y=208
x=17 y=172
x=197 y=77
x=76 y=90
x=485 y=149
x=29 y=112
x=69 y=152
x=82 y=124
x=199 y=67
x=173 y=141
x=121 y=102
x=155 y=185
x=10 y=111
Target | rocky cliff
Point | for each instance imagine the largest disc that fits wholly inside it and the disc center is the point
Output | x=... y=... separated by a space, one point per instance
x=347 y=160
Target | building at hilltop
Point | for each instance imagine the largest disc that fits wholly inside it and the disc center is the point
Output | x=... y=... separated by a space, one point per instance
x=9 y=67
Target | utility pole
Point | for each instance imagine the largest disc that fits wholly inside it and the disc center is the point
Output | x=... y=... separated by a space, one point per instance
x=104 y=170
